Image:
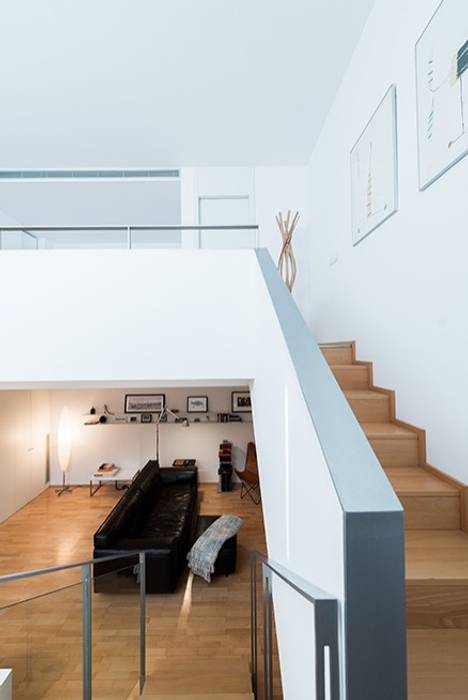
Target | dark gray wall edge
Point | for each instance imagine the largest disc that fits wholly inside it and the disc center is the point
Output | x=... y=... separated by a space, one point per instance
x=375 y=612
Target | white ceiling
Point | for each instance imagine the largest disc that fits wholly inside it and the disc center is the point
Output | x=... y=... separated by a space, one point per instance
x=135 y=83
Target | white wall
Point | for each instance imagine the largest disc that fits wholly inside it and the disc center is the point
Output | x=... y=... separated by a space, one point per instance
x=267 y=191
x=402 y=292
x=126 y=318
x=131 y=445
x=24 y=453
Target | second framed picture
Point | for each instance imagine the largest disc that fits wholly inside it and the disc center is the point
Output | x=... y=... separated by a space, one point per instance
x=374 y=170
x=241 y=402
x=197 y=404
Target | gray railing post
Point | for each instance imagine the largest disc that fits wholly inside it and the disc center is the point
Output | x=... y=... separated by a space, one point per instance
x=267 y=634
x=86 y=579
x=253 y=624
x=142 y=621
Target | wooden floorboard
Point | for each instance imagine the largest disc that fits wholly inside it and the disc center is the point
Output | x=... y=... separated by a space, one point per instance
x=201 y=631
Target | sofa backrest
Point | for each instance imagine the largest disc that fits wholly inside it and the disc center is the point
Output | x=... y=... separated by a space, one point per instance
x=148 y=479
x=126 y=517
x=122 y=519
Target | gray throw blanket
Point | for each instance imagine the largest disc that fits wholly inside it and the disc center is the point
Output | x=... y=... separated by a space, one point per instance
x=202 y=556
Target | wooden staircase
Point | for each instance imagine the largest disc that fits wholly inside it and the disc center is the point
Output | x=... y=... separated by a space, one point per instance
x=436 y=526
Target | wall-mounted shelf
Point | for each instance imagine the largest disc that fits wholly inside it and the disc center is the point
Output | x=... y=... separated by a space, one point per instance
x=194 y=421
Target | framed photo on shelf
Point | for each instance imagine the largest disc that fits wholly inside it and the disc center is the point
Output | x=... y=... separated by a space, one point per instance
x=146 y=418
x=197 y=404
x=144 y=403
x=240 y=402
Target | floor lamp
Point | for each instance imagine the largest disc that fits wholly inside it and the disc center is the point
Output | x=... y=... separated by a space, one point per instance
x=64 y=447
x=167 y=412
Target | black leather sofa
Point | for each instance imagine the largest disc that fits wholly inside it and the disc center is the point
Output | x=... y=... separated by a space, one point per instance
x=158 y=513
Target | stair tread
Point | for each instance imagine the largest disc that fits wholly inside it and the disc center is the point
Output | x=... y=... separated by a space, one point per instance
x=365 y=394
x=349 y=366
x=437 y=664
x=416 y=481
x=437 y=556
x=388 y=430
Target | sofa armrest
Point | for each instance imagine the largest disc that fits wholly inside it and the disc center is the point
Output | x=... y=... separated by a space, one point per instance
x=179 y=475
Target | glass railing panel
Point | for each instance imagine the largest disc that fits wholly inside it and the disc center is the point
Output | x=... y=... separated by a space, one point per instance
x=83 y=637
x=228 y=239
x=156 y=238
x=86 y=239
x=41 y=641
x=116 y=631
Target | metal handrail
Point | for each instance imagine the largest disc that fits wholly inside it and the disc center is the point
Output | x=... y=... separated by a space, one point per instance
x=136 y=227
x=130 y=228
x=327 y=680
x=86 y=581
x=63 y=567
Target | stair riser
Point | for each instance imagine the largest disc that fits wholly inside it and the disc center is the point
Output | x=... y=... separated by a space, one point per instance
x=371 y=410
x=437 y=606
x=353 y=377
x=338 y=355
x=396 y=452
x=431 y=512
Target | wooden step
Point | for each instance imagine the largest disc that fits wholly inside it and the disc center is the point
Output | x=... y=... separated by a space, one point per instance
x=437 y=579
x=352 y=376
x=429 y=502
x=394 y=445
x=338 y=354
x=437 y=664
x=369 y=406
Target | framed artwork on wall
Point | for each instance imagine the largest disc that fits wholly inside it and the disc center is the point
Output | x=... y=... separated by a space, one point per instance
x=442 y=91
x=240 y=402
x=144 y=403
x=374 y=170
x=197 y=404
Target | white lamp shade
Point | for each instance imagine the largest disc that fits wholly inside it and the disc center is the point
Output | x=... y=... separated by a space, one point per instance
x=64 y=440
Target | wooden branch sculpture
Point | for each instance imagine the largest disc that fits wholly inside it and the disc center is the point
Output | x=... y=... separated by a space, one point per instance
x=287 y=262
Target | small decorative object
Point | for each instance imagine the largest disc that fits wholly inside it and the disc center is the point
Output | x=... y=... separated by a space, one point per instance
x=144 y=403
x=92 y=411
x=106 y=468
x=442 y=91
x=287 y=261
x=146 y=418
x=107 y=412
x=374 y=171
x=133 y=419
x=241 y=402
x=197 y=404
x=119 y=419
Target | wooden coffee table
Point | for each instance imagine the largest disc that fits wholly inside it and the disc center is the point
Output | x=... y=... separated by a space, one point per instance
x=118 y=478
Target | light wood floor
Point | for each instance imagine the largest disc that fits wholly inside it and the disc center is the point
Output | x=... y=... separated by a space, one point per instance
x=198 y=638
